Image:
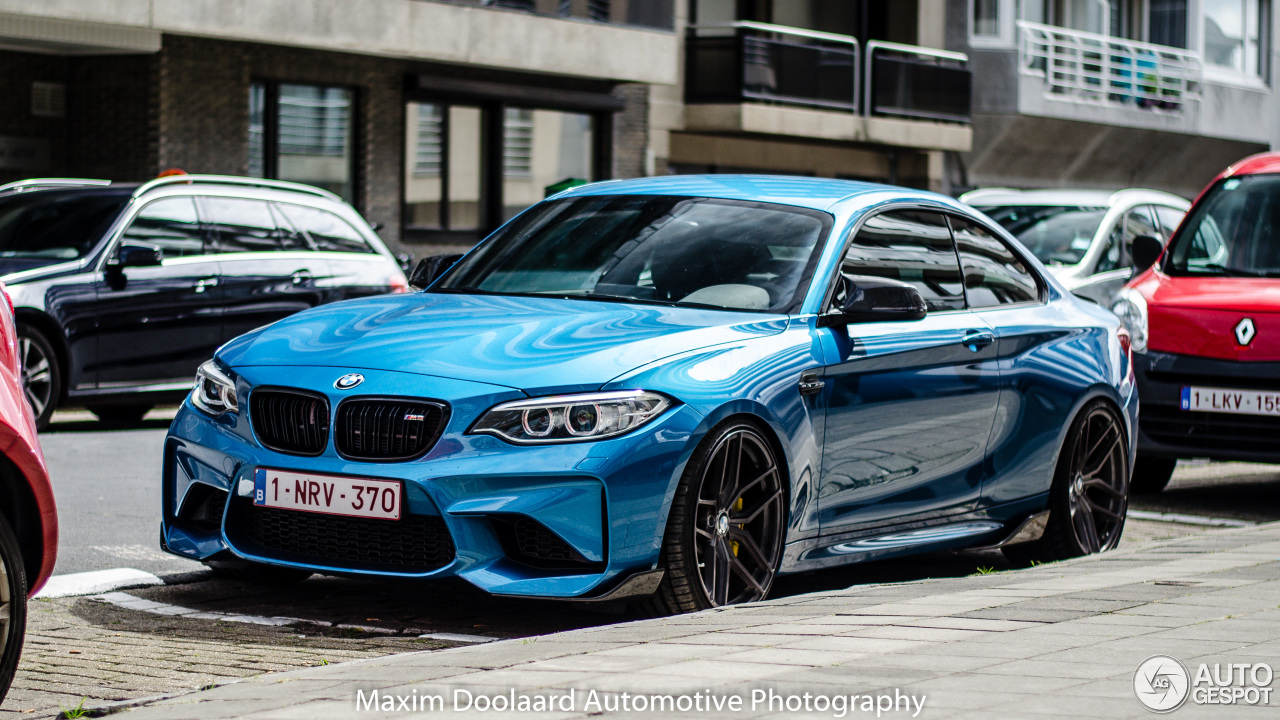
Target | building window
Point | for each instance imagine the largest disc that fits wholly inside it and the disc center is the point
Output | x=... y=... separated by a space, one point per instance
x=303 y=133
x=1235 y=34
x=442 y=184
x=1168 y=23
x=991 y=23
x=986 y=18
x=544 y=150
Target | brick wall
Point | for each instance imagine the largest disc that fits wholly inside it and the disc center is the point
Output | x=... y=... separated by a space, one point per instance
x=20 y=70
x=631 y=133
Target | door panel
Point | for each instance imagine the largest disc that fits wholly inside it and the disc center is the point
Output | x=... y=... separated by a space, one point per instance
x=910 y=408
x=157 y=324
x=268 y=269
x=909 y=404
x=355 y=269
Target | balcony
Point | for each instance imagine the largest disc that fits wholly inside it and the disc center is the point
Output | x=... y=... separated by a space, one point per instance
x=758 y=78
x=1093 y=69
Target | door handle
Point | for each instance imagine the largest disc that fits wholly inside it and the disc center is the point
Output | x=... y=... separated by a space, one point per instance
x=300 y=277
x=206 y=283
x=810 y=383
x=976 y=340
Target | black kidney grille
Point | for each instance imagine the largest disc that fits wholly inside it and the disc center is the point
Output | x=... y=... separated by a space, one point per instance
x=291 y=421
x=414 y=544
x=386 y=428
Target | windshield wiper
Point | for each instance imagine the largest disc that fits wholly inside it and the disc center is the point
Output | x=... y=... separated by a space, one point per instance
x=605 y=297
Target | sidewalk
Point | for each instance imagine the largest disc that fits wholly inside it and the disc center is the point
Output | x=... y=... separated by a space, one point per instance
x=1055 y=640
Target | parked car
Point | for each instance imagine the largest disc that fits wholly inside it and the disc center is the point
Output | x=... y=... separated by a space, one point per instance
x=28 y=519
x=122 y=290
x=1205 y=322
x=670 y=390
x=1083 y=236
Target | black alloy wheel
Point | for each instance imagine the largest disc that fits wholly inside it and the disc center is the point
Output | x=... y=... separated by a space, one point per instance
x=724 y=536
x=13 y=606
x=41 y=377
x=1090 y=495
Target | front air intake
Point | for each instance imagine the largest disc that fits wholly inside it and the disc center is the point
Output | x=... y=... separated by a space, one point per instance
x=290 y=421
x=387 y=429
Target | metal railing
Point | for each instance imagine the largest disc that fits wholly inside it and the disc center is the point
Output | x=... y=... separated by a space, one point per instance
x=773 y=63
x=917 y=83
x=1091 y=68
x=750 y=61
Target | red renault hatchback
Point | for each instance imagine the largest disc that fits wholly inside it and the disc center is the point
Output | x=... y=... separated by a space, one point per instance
x=1205 y=326
x=28 y=520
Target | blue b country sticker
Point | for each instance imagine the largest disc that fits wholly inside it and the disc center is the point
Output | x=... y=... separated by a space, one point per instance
x=1186 y=400
x=260 y=485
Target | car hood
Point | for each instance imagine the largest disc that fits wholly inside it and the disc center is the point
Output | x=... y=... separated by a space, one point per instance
x=1199 y=316
x=533 y=344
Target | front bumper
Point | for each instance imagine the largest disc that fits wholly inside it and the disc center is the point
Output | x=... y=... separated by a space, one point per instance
x=565 y=520
x=1166 y=430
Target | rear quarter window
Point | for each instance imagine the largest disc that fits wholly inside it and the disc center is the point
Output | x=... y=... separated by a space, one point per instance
x=328 y=232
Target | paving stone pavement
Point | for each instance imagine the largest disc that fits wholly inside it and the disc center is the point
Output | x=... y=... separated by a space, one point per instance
x=1061 y=640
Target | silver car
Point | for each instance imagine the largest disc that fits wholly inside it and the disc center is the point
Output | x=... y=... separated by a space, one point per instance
x=1083 y=236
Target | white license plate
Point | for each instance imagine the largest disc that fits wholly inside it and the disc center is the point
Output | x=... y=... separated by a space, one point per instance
x=1241 y=402
x=329 y=494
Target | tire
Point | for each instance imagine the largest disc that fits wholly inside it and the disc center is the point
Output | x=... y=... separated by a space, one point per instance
x=1151 y=474
x=258 y=573
x=723 y=543
x=13 y=598
x=41 y=375
x=120 y=414
x=1089 y=498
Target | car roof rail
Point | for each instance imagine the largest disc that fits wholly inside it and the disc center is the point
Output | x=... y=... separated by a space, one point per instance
x=42 y=183
x=232 y=180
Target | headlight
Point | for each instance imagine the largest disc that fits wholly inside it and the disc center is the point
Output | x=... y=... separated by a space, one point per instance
x=214 y=393
x=1131 y=307
x=572 y=418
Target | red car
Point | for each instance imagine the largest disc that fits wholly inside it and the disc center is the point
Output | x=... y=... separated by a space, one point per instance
x=1205 y=326
x=28 y=520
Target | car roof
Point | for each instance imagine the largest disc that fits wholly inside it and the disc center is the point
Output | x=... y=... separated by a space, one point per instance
x=806 y=192
x=994 y=197
x=1262 y=163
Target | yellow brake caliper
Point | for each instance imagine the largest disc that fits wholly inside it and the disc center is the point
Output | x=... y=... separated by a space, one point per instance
x=733 y=544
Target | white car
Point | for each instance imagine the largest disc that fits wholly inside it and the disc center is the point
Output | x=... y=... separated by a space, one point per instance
x=1084 y=237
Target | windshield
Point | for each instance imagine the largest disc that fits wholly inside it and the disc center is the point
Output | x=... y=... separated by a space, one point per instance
x=653 y=249
x=55 y=226
x=1231 y=231
x=1057 y=235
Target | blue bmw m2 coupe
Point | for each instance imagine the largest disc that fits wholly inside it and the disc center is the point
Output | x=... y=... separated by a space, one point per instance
x=669 y=391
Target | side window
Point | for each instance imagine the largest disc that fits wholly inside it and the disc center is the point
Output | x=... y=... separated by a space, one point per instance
x=1112 y=254
x=171 y=224
x=242 y=225
x=328 y=232
x=914 y=247
x=993 y=275
x=1168 y=219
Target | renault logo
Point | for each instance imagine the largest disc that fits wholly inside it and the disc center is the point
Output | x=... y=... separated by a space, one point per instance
x=1245 y=331
x=348 y=381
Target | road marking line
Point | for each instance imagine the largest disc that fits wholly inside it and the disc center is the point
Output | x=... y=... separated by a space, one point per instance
x=96 y=581
x=1190 y=519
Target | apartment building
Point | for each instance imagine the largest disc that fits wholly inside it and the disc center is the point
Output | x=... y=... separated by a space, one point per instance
x=860 y=89
x=1114 y=93
x=438 y=120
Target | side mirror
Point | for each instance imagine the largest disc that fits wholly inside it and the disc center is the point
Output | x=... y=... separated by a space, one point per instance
x=865 y=298
x=430 y=269
x=137 y=255
x=1146 y=251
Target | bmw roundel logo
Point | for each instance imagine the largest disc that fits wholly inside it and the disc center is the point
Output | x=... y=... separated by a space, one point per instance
x=348 y=381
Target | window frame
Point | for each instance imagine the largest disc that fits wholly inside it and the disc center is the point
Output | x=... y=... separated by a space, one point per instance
x=271 y=132
x=1259 y=77
x=1006 y=12
x=1042 y=285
